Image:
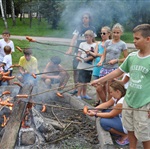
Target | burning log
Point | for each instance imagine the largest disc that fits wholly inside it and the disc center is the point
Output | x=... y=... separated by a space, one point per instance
x=9 y=139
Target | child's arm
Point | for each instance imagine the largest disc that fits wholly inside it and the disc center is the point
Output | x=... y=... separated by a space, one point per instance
x=102 y=58
x=72 y=44
x=2 y=65
x=114 y=74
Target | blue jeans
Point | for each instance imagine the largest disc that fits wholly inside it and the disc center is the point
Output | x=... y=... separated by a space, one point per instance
x=108 y=123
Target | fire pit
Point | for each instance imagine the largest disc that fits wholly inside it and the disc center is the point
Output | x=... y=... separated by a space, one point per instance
x=61 y=125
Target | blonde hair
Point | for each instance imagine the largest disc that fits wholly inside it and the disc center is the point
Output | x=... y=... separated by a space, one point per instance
x=119 y=26
x=108 y=30
x=90 y=33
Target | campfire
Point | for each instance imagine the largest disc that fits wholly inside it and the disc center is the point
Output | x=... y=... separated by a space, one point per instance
x=34 y=123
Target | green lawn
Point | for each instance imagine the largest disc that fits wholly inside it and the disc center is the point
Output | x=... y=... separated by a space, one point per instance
x=42 y=52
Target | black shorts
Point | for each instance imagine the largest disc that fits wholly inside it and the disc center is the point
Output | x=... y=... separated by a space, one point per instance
x=84 y=76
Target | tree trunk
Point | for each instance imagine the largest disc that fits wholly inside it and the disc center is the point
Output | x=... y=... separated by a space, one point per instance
x=3 y=16
x=13 y=12
x=4 y=7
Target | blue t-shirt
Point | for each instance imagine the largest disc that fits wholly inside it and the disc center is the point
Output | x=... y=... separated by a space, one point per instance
x=96 y=70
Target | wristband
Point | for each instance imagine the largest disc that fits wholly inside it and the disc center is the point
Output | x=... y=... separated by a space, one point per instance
x=96 y=115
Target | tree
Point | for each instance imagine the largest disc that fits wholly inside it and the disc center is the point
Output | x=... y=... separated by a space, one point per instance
x=13 y=12
x=3 y=16
x=51 y=10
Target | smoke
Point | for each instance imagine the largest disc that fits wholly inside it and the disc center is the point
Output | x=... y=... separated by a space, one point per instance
x=106 y=12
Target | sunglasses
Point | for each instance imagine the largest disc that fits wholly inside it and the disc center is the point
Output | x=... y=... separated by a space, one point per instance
x=103 y=33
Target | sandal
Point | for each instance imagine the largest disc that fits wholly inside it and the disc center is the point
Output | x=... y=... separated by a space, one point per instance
x=123 y=142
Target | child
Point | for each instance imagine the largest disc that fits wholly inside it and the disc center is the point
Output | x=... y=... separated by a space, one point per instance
x=112 y=51
x=85 y=74
x=78 y=37
x=57 y=75
x=28 y=65
x=7 y=61
x=137 y=97
x=111 y=120
x=5 y=41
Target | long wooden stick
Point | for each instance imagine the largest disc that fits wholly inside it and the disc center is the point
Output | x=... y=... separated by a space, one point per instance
x=63 y=70
x=52 y=44
x=98 y=109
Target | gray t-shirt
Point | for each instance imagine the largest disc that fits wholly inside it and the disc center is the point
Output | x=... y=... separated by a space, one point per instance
x=113 y=51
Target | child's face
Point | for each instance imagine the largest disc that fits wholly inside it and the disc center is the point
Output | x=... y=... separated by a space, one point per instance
x=85 y=19
x=27 y=57
x=115 y=94
x=104 y=34
x=116 y=33
x=88 y=39
x=6 y=36
x=139 y=40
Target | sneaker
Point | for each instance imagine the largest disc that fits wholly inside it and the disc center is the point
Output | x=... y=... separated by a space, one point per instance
x=79 y=97
x=74 y=92
x=87 y=97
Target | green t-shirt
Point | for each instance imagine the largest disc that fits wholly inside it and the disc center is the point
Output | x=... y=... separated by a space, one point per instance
x=138 y=92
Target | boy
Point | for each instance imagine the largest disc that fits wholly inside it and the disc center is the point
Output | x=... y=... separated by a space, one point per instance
x=137 y=97
x=57 y=75
x=86 y=61
x=5 y=41
x=7 y=61
x=28 y=65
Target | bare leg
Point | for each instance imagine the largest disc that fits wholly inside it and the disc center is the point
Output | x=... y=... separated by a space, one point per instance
x=101 y=92
x=107 y=90
x=79 y=90
x=123 y=135
x=75 y=77
x=132 y=140
x=84 y=89
x=146 y=144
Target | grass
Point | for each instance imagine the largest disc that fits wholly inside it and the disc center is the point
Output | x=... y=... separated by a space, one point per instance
x=37 y=29
x=40 y=51
x=43 y=29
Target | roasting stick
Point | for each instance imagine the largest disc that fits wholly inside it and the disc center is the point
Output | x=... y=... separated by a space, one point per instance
x=52 y=44
x=57 y=88
x=35 y=74
x=85 y=109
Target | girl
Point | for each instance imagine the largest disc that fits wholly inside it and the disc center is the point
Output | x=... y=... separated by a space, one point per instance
x=112 y=51
x=105 y=35
x=85 y=62
x=78 y=37
x=111 y=120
